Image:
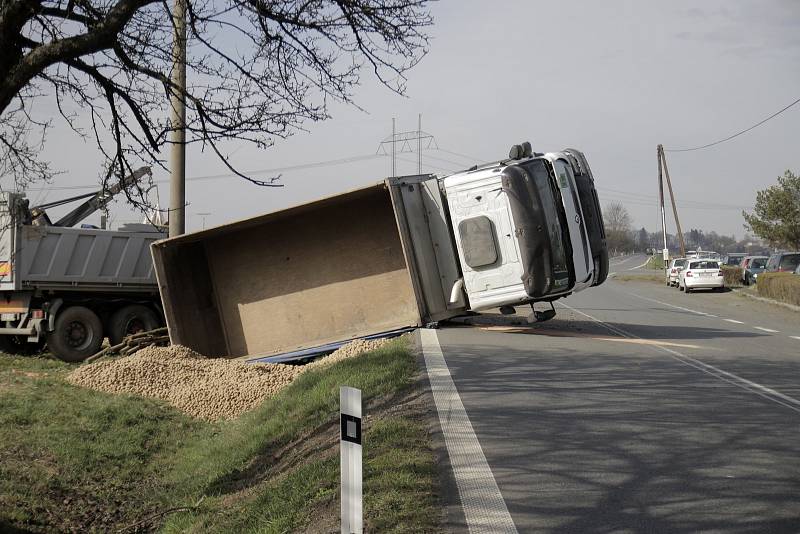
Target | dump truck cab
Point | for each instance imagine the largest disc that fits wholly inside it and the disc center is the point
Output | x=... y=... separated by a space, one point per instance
x=519 y=232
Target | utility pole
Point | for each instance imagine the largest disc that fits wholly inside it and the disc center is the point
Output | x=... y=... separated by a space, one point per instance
x=665 y=254
x=177 y=189
x=204 y=215
x=672 y=198
x=394 y=149
x=419 y=144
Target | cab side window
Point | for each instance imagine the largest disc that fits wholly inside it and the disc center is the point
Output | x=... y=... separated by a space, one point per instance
x=478 y=241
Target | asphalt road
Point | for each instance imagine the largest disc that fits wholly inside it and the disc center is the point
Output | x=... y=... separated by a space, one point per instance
x=638 y=409
x=631 y=262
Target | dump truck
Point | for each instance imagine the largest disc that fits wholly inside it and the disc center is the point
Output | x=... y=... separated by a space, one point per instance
x=405 y=252
x=70 y=288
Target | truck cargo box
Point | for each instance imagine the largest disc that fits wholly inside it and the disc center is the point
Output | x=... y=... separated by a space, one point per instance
x=50 y=258
x=338 y=268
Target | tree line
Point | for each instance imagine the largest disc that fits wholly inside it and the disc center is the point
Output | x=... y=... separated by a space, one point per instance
x=773 y=224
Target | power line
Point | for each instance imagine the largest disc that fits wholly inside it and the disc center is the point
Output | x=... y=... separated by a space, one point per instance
x=471 y=158
x=340 y=161
x=737 y=134
x=698 y=202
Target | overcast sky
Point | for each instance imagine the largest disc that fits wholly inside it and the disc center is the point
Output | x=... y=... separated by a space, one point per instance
x=612 y=78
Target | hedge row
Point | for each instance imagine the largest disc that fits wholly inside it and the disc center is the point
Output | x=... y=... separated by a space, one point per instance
x=780 y=286
x=732 y=275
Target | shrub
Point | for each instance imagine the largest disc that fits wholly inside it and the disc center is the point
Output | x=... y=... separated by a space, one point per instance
x=780 y=286
x=732 y=275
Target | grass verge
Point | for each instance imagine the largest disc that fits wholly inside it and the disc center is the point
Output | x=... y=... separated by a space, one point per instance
x=655 y=262
x=74 y=459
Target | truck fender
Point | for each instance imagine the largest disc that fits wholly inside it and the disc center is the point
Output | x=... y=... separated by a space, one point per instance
x=52 y=310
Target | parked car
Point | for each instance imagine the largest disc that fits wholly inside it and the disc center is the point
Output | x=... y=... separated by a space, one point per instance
x=783 y=262
x=701 y=274
x=752 y=266
x=734 y=258
x=675 y=268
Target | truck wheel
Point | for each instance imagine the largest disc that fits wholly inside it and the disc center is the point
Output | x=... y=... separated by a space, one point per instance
x=131 y=320
x=78 y=334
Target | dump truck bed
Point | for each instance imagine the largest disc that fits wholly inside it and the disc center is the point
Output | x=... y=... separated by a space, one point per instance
x=56 y=258
x=319 y=273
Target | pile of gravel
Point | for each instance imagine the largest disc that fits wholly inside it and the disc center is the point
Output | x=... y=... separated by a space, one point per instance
x=354 y=348
x=206 y=388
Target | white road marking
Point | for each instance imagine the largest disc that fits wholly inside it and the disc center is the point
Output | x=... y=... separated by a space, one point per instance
x=795 y=337
x=617 y=261
x=670 y=305
x=770 y=330
x=735 y=380
x=734 y=321
x=639 y=266
x=485 y=510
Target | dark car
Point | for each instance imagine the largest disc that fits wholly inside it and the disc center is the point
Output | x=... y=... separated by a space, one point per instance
x=734 y=258
x=752 y=266
x=783 y=262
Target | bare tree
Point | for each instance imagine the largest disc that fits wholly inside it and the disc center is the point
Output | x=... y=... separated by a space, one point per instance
x=257 y=70
x=618 y=227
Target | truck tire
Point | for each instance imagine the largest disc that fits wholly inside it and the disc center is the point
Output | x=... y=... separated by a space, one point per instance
x=131 y=320
x=78 y=334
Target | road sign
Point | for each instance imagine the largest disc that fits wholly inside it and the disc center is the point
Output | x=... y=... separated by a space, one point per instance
x=350 y=460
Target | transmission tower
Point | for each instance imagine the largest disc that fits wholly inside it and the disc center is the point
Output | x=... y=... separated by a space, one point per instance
x=404 y=143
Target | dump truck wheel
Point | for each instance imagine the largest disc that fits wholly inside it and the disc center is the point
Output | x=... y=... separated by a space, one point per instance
x=78 y=334
x=131 y=320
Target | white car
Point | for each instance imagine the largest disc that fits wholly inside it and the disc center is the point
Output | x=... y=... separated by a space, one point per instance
x=674 y=270
x=701 y=274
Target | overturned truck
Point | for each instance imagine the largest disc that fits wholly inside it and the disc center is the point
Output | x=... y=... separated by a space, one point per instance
x=402 y=253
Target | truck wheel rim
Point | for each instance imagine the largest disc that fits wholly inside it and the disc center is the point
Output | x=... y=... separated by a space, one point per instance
x=78 y=335
x=134 y=326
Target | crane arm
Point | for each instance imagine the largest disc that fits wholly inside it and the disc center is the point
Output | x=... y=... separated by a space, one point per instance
x=99 y=200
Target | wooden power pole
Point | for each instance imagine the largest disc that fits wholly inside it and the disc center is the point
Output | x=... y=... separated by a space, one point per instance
x=663 y=160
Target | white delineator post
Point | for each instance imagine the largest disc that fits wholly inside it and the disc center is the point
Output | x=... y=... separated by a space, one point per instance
x=350 y=460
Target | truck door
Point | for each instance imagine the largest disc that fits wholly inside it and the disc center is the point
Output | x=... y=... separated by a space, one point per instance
x=484 y=235
x=581 y=254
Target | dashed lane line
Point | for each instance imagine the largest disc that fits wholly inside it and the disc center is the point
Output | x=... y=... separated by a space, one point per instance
x=770 y=330
x=795 y=337
x=671 y=305
x=735 y=380
x=485 y=510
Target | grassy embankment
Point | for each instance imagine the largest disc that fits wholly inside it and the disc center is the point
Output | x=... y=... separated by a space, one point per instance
x=653 y=271
x=74 y=459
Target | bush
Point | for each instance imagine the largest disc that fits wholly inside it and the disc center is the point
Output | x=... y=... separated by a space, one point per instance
x=732 y=275
x=780 y=286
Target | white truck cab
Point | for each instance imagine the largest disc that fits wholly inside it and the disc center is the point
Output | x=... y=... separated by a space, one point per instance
x=522 y=231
